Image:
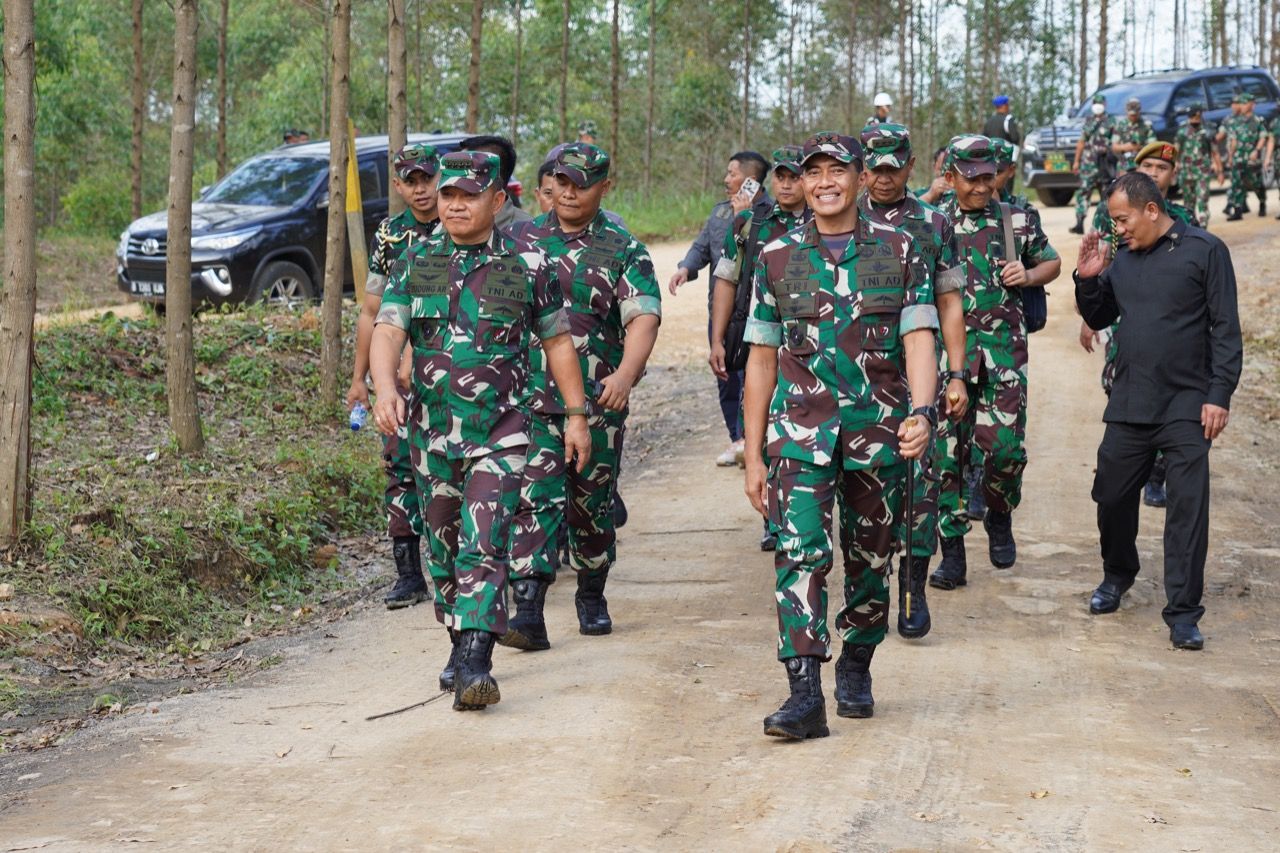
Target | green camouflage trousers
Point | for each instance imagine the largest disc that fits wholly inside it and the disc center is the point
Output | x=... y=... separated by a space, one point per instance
x=928 y=483
x=801 y=495
x=470 y=505
x=1195 y=193
x=404 y=510
x=552 y=495
x=1089 y=180
x=996 y=424
x=1246 y=177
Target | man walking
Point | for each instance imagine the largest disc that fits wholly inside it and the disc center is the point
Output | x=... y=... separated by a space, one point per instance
x=1000 y=124
x=1197 y=164
x=1093 y=160
x=1175 y=374
x=1246 y=140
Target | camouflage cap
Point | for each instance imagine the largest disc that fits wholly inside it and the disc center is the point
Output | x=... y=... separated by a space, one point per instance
x=971 y=155
x=845 y=149
x=588 y=127
x=1195 y=109
x=470 y=171
x=1246 y=98
x=1099 y=98
x=1006 y=152
x=1133 y=105
x=886 y=145
x=584 y=164
x=788 y=157
x=417 y=157
x=1165 y=151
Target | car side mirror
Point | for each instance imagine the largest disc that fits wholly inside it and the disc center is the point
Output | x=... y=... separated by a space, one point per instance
x=323 y=202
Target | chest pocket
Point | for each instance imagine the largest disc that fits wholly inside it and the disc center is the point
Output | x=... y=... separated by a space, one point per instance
x=429 y=288
x=595 y=276
x=798 y=308
x=882 y=291
x=923 y=234
x=504 y=300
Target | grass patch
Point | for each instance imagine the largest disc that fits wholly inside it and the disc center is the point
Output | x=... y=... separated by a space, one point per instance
x=662 y=217
x=74 y=272
x=175 y=554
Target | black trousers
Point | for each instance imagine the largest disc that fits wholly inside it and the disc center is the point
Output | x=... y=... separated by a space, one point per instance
x=1125 y=458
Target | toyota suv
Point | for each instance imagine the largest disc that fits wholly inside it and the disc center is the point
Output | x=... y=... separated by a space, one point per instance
x=259 y=233
x=1048 y=152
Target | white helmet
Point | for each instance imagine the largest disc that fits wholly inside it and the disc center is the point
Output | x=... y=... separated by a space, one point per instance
x=882 y=100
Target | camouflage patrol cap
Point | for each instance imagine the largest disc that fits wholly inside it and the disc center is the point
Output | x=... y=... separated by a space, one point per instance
x=1165 y=151
x=470 y=171
x=886 y=144
x=1245 y=97
x=418 y=157
x=845 y=149
x=1195 y=109
x=1006 y=152
x=971 y=154
x=588 y=127
x=1133 y=105
x=1099 y=98
x=584 y=164
x=788 y=157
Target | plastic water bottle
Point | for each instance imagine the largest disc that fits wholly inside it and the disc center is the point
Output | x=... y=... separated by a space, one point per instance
x=359 y=416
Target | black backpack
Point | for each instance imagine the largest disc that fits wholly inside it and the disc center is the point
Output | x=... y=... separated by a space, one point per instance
x=736 y=349
x=1035 y=300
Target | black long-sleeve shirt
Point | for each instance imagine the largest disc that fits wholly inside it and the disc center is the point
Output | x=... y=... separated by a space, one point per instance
x=1178 y=346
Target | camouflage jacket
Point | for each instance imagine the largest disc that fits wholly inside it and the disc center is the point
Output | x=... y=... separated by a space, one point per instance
x=777 y=223
x=934 y=236
x=838 y=325
x=469 y=312
x=1194 y=151
x=1137 y=133
x=394 y=236
x=1096 y=133
x=1274 y=130
x=607 y=279
x=996 y=339
x=1016 y=200
x=1107 y=229
x=1245 y=131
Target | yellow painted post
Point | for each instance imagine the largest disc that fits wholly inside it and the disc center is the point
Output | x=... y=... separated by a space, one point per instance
x=358 y=248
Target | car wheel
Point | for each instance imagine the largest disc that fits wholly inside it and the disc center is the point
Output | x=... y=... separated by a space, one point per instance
x=282 y=283
x=1055 y=196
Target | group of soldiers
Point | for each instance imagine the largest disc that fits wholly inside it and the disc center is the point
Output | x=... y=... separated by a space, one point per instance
x=1109 y=145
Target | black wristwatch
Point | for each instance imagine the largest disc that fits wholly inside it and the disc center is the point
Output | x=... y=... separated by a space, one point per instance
x=962 y=375
x=929 y=413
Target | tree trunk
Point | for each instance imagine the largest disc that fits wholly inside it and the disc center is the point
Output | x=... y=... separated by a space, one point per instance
x=791 y=70
x=397 y=99
x=420 y=117
x=615 y=87
x=515 y=82
x=472 y=122
x=335 y=248
x=1102 y=43
x=139 y=113
x=1224 y=55
x=850 y=87
x=180 y=376
x=327 y=9
x=1275 y=37
x=903 y=7
x=18 y=294
x=1262 y=33
x=746 y=74
x=221 y=156
x=564 y=72
x=648 y=125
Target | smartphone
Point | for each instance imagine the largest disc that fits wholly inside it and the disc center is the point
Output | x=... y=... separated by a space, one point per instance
x=749 y=188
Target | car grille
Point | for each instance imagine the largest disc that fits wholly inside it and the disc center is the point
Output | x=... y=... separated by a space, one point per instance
x=1066 y=137
x=139 y=246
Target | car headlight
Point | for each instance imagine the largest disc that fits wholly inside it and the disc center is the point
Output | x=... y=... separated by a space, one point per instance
x=221 y=242
x=122 y=248
x=1030 y=146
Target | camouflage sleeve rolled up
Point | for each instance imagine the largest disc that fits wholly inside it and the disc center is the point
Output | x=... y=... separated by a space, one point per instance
x=549 y=317
x=727 y=267
x=918 y=309
x=1035 y=243
x=950 y=269
x=379 y=261
x=764 y=323
x=397 y=304
x=638 y=288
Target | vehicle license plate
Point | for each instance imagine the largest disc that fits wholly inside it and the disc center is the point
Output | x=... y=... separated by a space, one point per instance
x=1057 y=164
x=148 y=288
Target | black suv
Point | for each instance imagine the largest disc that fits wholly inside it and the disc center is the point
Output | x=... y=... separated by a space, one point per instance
x=259 y=233
x=1048 y=152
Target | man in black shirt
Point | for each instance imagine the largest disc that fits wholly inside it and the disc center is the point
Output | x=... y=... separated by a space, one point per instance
x=1178 y=361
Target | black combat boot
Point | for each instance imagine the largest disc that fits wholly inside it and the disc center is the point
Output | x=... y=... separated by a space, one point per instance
x=954 y=566
x=853 y=681
x=593 y=609
x=1235 y=216
x=804 y=714
x=918 y=625
x=1262 y=208
x=1153 y=494
x=619 y=511
x=527 y=629
x=1078 y=228
x=976 y=508
x=450 y=668
x=411 y=586
x=1000 y=545
x=474 y=686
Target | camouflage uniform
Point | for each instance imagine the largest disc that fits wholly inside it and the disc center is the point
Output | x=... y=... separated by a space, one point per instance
x=832 y=436
x=469 y=312
x=1006 y=156
x=608 y=278
x=1096 y=134
x=996 y=359
x=1246 y=176
x=1138 y=133
x=1195 y=168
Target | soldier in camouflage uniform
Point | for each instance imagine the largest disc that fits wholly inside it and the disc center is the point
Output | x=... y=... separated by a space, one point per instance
x=889 y=161
x=1198 y=163
x=415 y=180
x=842 y=314
x=1129 y=136
x=1246 y=140
x=615 y=307
x=1273 y=150
x=995 y=355
x=753 y=229
x=1093 y=158
x=468 y=300
x=1006 y=170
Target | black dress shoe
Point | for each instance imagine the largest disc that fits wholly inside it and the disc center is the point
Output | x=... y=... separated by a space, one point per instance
x=1186 y=637
x=1106 y=598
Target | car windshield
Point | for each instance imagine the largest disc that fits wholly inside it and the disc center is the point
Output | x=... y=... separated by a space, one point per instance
x=269 y=181
x=1152 y=95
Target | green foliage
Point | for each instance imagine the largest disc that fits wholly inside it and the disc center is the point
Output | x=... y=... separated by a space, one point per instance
x=95 y=204
x=663 y=217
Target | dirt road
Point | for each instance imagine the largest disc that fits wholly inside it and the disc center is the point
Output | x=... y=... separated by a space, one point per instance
x=1021 y=723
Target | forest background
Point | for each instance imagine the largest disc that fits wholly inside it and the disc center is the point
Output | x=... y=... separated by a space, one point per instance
x=673 y=85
